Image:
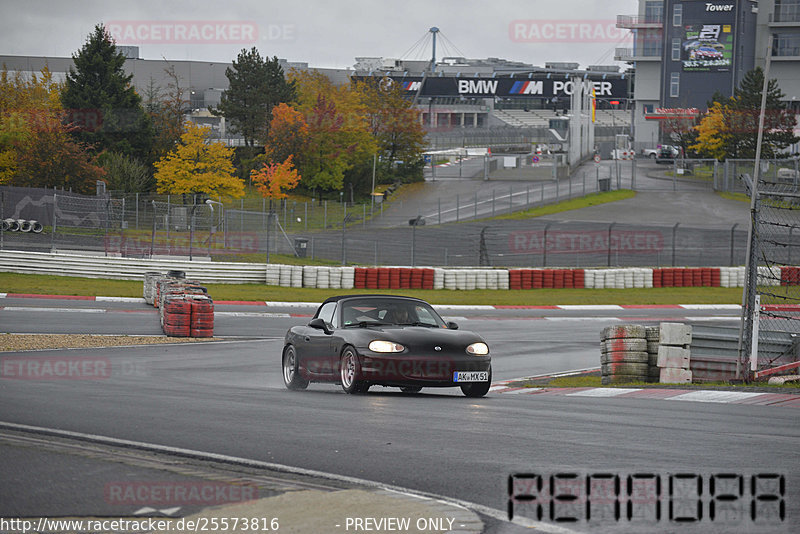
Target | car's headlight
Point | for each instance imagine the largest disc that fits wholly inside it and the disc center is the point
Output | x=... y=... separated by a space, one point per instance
x=478 y=348
x=385 y=346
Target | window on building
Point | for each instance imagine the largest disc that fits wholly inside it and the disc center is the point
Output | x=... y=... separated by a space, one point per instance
x=654 y=10
x=677 y=15
x=786 y=44
x=650 y=43
x=787 y=11
x=676 y=50
x=675 y=84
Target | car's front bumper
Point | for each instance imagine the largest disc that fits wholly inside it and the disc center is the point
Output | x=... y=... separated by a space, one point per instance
x=424 y=370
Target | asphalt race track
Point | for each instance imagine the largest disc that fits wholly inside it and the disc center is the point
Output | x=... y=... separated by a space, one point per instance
x=228 y=398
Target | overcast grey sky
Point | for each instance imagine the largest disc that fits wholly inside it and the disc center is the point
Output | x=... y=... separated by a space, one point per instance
x=323 y=33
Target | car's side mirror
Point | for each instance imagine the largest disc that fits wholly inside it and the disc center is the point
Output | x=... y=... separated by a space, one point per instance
x=452 y=326
x=320 y=324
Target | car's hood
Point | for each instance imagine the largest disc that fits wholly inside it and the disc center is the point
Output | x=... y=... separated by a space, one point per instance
x=419 y=336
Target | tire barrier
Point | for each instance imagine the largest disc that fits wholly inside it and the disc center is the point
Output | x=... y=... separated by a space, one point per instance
x=546 y=278
x=790 y=276
x=10 y=225
x=652 y=336
x=635 y=353
x=389 y=278
x=185 y=309
x=623 y=355
x=22 y=225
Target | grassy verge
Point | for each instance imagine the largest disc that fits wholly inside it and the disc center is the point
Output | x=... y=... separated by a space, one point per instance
x=741 y=197
x=594 y=199
x=61 y=285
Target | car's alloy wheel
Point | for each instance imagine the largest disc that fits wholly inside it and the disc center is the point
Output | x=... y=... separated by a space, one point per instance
x=291 y=374
x=350 y=371
x=477 y=389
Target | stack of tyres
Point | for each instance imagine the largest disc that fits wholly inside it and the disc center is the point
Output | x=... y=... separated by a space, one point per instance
x=652 y=335
x=623 y=354
x=202 y=323
x=176 y=313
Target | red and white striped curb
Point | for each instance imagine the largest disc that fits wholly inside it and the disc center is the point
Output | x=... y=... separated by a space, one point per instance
x=787 y=400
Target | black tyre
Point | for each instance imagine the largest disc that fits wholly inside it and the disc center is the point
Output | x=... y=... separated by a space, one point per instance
x=477 y=389
x=411 y=389
x=350 y=372
x=291 y=373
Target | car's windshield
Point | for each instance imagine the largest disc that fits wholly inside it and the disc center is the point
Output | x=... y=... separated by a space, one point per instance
x=403 y=312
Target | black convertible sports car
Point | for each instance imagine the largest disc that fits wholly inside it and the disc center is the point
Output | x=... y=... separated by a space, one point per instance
x=365 y=340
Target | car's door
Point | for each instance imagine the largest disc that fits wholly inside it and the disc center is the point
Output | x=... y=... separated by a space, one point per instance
x=316 y=351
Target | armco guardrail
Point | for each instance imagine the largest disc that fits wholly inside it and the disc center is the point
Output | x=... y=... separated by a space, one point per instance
x=346 y=277
x=127 y=268
x=715 y=350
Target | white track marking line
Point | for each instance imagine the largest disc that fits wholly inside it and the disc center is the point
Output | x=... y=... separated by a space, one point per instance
x=252 y=314
x=588 y=307
x=57 y=310
x=714 y=396
x=120 y=299
x=602 y=392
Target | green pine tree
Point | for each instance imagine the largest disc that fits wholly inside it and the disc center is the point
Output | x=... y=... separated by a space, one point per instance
x=256 y=85
x=99 y=87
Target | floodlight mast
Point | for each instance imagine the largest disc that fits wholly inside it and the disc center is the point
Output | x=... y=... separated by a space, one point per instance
x=434 y=30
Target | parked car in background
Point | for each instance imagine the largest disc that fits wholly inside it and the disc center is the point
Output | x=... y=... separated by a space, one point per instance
x=667 y=154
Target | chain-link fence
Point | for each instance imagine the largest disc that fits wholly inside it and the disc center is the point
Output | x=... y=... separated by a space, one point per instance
x=771 y=317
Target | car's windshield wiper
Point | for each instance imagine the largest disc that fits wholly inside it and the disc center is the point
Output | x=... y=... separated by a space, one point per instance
x=364 y=324
x=418 y=323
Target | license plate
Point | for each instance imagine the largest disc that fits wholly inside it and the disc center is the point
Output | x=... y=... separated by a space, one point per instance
x=470 y=376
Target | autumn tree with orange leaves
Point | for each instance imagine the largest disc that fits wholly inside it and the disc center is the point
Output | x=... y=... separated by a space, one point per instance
x=274 y=179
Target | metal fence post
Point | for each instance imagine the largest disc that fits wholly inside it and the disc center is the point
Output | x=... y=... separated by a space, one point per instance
x=153 y=234
x=493 y=199
x=608 y=260
x=733 y=229
x=55 y=219
x=674 y=235
x=544 y=245
x=137 y=211
x=439 y=199
x=511 y=199
x=457 y=206
x=475 y=205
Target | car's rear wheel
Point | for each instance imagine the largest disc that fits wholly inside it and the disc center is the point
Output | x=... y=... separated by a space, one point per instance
x=291 y=373
x=411 y=389
x=477 y=389
x=350 y=372
x=652 y=156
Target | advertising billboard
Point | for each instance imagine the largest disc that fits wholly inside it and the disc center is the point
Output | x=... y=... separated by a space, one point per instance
x=707 y=47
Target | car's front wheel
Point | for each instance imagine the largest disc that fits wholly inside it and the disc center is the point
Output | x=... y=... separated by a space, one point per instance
x=291 y=373
x=350 y=372
x=477 y=389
